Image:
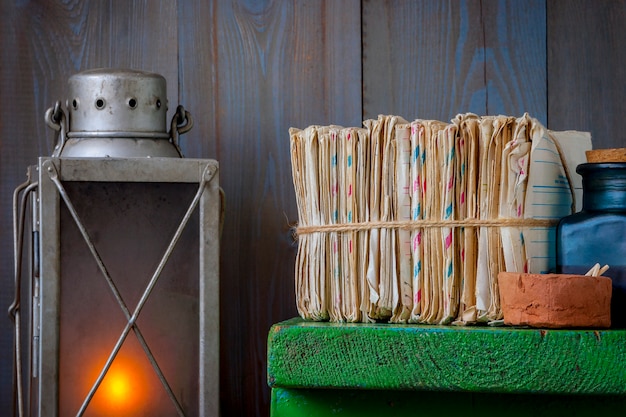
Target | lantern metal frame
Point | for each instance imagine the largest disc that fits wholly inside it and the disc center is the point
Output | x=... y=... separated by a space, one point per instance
x=53 y=173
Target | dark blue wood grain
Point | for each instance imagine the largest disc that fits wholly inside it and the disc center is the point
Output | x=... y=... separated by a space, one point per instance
x=587 y=69
x=434 y=59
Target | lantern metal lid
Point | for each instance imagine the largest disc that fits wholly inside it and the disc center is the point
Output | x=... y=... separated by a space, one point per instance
x=117 y=113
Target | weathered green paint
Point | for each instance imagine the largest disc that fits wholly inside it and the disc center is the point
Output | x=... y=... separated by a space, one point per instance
x=291 y=402
x=445 y=358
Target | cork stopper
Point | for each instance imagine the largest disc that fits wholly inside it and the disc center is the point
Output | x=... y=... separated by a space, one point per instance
x=606 y=155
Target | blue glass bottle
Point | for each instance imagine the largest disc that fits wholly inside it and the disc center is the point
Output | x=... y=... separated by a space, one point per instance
x=597 y=234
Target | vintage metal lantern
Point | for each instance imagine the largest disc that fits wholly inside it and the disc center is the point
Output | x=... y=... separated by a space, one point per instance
x=117 y=260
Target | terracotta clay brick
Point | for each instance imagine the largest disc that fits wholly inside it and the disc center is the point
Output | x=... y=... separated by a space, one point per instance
x=555 y=300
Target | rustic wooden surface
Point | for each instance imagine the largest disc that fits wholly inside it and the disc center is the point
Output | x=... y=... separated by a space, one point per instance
x=249 y=70
x=291 y=402
x=446 y=358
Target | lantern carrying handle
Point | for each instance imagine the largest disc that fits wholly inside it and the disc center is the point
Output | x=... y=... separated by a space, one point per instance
x=182 y=122
x=57 y=119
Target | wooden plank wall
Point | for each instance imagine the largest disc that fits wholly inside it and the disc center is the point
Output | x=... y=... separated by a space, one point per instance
x=587 y=68
x=249 y=70
x=448 y=57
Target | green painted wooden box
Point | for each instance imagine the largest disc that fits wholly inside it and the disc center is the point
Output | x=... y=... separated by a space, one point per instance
x=330 y=369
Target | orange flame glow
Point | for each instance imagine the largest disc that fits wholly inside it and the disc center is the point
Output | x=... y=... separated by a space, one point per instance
x=123 y=390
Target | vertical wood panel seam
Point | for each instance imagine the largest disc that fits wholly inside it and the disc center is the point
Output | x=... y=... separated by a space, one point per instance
x=179 y=64
x=215 y=81
x=547 y=67
x=482 y=27
x=362 y=61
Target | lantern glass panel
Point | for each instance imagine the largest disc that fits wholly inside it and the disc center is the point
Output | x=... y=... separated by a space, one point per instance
x=130 y=224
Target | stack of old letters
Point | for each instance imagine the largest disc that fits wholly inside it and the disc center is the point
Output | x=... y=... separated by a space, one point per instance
x=410 y=222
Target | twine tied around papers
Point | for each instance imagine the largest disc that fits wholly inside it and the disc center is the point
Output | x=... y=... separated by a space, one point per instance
x=418 y=224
